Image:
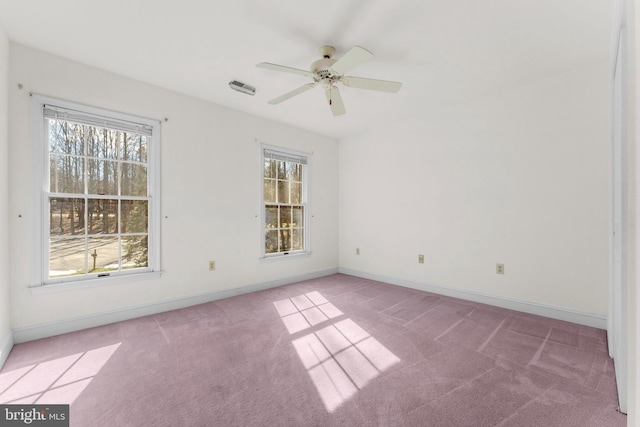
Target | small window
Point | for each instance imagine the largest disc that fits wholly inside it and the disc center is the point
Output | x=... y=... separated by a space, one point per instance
x=98 y=192
x=284 y=186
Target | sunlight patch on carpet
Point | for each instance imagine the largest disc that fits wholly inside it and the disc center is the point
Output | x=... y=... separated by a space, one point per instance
x=341 y=357
x=57 y=381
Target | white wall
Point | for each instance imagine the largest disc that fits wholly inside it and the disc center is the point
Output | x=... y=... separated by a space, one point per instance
x=210 y=197
x=5 y=307
x=632 y=18
x=520 y=178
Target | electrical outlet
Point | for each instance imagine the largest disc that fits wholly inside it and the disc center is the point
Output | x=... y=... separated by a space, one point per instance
x=499 y=268
x=420 y=259
x=212 y=265
x=357 y=251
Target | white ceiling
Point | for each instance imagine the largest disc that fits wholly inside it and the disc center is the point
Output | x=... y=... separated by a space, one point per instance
x=444 y=51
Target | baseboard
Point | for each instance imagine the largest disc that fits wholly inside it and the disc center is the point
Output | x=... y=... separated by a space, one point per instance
x=5 y=348
x=85 y=322
x=592 y=320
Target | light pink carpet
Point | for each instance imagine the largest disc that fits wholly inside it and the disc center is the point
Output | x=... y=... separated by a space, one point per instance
x=326 y=352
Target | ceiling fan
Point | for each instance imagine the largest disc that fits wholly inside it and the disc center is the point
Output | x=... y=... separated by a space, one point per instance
x=327 y=71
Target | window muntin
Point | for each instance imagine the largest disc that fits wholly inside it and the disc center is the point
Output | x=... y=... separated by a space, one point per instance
x=285 y=202
x=99 y=214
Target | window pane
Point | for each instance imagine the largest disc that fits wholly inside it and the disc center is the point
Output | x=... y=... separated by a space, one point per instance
x=290 y=168
x=66 y=216
x=285 y=240
x=297 y=215
x=102 y=177
x=282 y=169
x=134 y=147
x=269 y=168
x=134 y=180
x=103 y=254
x=283 y=192
x=66 y=257
x=285 y=216
x=270 y=190
x=65 y=137
x=271 y=241
x=103 y=143
x=66 y=174
x=271 y=217
x=297 y=239
x=103 y=216
x=135 y=216
x=135 y=252
x=296 y=172
x=296 y=192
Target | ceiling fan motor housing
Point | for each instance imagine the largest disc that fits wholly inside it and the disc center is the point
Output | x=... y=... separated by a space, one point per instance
x=322 y=66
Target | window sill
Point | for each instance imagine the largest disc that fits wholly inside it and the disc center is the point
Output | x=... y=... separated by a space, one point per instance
x=280 y=257
x=92 y=283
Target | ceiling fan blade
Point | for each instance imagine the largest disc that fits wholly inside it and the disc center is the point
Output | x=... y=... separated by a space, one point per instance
x=371 y=84
x=351 y=60
x=291 y=94
x=335 y=100
x=282 y=68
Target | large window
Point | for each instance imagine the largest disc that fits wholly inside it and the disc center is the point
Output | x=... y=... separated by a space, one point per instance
x=285 y=202
x=98 y=192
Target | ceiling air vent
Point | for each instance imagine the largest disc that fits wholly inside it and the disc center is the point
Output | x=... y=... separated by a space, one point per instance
x=242 y=87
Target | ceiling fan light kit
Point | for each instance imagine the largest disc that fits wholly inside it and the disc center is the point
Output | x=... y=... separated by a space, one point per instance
x=327 y=72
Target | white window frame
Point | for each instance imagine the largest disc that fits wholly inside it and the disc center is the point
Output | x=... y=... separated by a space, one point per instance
x=41 y=192
x=305 y=202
